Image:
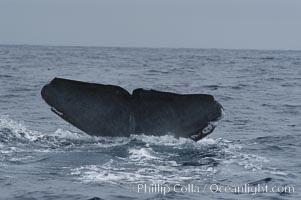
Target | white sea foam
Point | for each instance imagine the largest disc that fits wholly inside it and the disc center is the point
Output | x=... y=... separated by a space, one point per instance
x=153 y=164
x=142 y=154
x=18 y=129
x=156 y=167
x=166 y=140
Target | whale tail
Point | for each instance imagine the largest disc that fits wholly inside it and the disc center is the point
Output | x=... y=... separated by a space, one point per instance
x=108 y=110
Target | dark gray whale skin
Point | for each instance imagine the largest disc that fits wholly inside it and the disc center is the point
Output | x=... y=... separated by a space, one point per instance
x=108 y=110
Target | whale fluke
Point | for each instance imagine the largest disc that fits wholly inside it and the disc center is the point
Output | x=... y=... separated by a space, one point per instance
x=108 y=110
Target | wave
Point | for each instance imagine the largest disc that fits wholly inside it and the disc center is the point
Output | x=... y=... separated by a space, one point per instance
x=134 y=159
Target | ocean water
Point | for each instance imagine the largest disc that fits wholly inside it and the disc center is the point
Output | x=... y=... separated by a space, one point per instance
x=257 y=144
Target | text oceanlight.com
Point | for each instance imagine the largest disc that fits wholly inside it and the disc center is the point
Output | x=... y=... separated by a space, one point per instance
x=214 y=188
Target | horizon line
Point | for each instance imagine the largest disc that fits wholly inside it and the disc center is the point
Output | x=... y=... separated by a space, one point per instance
x=148 y=47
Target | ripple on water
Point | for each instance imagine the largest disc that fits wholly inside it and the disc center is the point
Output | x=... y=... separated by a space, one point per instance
x=136 y=159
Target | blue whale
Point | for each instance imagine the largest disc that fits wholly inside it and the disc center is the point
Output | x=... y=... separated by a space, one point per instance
x=109 y=110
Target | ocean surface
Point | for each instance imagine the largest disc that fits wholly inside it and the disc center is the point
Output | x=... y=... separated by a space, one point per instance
x=257 y=144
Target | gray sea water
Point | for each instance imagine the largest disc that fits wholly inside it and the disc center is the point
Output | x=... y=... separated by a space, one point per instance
x=257 y=143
